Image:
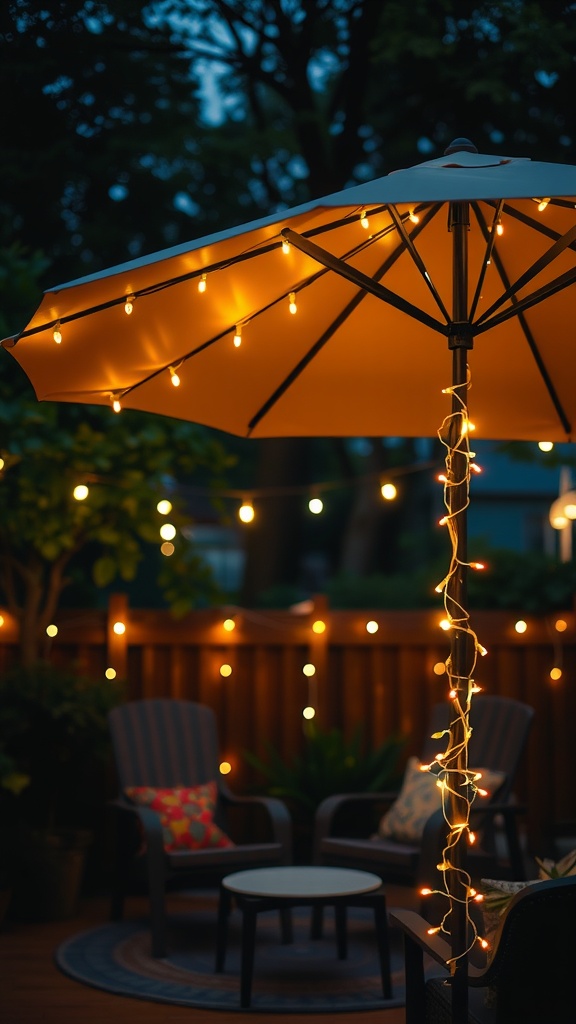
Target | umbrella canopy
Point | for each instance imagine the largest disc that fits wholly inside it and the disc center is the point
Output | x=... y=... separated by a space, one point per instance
x=369 y=273
x=335 y=318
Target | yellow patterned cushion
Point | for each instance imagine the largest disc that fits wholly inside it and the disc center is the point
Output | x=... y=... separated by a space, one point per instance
x=418 y=799
x=186 y=814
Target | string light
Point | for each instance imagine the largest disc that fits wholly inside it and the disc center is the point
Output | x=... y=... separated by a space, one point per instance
x=414 y=217
x=129 y=304
x=372 y=626
x=543 y=204
x=316 y=506
x=309 y=670
x=164 y=507
x=116 y=404
x=319 y=626
x=238 y=336
x=202 y=284
x=110 y=673
x=52 y=630
x=285 y=246
x=308 y=713
x=388 y=491
x=545 y=446
x=225 y=671
x=225 y=768
x=167 y=531
x=80 y=492
x=555 y=673
x=119 y=628
x=364 y=219
x=57 y=333
x=292 y=303
x=174 y=378
x=499 y=227
x=561 y=625
x=167 y=548
x=229 y=625
x=520 y=626
x=246 y=511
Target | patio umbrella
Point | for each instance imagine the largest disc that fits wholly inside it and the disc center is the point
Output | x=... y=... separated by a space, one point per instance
x=336 y=318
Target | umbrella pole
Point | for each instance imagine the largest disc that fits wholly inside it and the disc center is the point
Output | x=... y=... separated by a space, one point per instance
x=460 y=341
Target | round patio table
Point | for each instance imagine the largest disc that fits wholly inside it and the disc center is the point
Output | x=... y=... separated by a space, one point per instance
x=285 y=887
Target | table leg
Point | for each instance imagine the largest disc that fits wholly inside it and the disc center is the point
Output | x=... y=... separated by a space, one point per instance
x=381 y=926
x=249 y=911
x=341 y=931
x=224 y=903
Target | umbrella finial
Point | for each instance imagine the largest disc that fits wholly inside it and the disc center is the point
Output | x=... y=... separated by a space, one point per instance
x=460 y=144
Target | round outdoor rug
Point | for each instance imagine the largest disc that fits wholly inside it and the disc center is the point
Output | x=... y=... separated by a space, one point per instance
x=305 y=976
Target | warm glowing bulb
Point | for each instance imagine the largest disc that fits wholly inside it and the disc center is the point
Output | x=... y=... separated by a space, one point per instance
x=175 y=379
x=316 y=505
x=1 y=620
x=561 y=625
x=388 y=491
x=129 y=304
x=52 y=630
x=225 y=768
x=167 y=548
x=80 y=492
x=499 y=228
x=308 y=713
x=57 y=335
x=167 y=531
x=285 y=247
x=559 y=522
x=225 y=671
x=119 y=628
x=520 y=626
x=238 y=336
x=543 y=204
x=555 y=673
x=371 y=626
x=444 y=624
x=477 y=565
x=202 y=284
x=439 y=668
x=110 y=673
x=570 y=511
x=292 y=299
x=364 y=219
x=229 y=625
x=246 y=512
x=319 y=626
x=1 y=464
x=545 y=446
x=309 y=670
x=164 y=507
x=414 y=217
x=116 y=405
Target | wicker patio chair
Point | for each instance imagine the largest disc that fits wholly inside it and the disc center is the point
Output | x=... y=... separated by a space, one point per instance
x=529 y=976
x=171 y=745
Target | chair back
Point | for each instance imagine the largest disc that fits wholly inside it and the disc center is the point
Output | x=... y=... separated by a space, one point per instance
x=164 y=743
x=532 y=969
x=500 y=729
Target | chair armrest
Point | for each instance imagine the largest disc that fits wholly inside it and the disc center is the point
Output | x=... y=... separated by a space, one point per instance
x=415 y=929
x=327 y=810
x=278 y=816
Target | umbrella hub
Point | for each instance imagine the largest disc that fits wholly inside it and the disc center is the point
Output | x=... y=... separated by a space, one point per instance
x=460 y=145
x=460 y=334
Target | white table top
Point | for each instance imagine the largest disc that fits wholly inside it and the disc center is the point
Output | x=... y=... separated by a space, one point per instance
x=301 y=882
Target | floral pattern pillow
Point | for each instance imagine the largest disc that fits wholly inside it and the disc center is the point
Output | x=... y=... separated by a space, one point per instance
x=419 y=798
x=186 y=813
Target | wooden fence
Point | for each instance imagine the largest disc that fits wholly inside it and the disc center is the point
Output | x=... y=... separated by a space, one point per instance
x=251 y=671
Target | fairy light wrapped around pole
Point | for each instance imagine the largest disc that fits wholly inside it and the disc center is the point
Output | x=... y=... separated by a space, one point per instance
x=461 y=658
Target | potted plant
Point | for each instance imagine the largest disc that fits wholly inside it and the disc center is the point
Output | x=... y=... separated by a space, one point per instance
x=328 y=763
x=54 y=730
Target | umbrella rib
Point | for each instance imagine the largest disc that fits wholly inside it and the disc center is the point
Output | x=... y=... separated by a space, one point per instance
x=517 y=310
x=411 y=248
x=563 y=242
x=490 y=238
x=368 y=284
